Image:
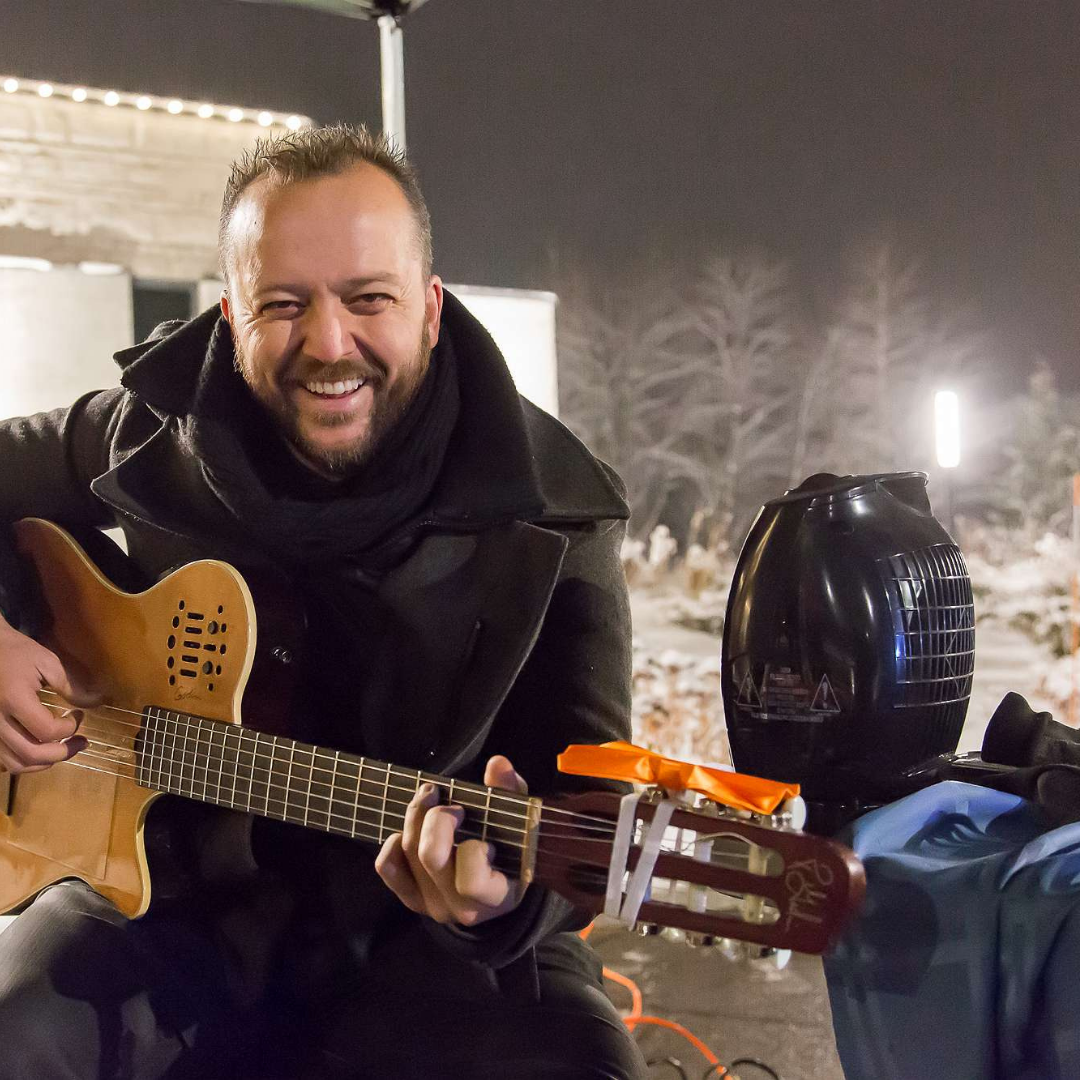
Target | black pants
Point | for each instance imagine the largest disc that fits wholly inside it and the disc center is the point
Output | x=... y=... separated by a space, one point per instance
x=85 y=993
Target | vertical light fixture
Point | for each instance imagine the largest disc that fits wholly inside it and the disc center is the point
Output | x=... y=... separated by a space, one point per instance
x=947 y=446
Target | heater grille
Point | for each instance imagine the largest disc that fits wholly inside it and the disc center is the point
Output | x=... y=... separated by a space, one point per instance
x=933 y=627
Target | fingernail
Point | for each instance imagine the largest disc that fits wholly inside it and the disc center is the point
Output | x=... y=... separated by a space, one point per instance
x=426 y=791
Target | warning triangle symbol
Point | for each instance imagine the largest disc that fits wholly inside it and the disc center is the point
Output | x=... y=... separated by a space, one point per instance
x=825 y=698
x=748 y=693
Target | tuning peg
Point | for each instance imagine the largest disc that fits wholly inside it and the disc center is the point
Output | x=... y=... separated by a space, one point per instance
x=646 y=929
x=673 y=934
x=700 y=941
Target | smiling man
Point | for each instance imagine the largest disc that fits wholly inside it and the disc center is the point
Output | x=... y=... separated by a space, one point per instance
x=343 y=425
x=333 y=317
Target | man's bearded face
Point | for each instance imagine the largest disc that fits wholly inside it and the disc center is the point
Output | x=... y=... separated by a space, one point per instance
x=332 y=320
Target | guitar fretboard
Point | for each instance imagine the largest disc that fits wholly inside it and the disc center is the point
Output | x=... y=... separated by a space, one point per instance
x=327 y=790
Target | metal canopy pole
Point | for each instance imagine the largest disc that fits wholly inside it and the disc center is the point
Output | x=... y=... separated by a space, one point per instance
x=392 y=55
x=389 y=14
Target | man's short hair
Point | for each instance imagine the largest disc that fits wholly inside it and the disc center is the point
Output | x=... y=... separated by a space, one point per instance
x=323 y=151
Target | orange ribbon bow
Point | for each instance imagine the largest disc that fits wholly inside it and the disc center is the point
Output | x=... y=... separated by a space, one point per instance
x=625 y=761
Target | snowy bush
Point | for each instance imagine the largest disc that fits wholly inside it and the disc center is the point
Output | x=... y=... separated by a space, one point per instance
x=1025 y=581
x=678 y=710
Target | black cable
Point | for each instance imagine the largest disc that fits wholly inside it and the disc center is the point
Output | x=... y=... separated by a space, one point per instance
x=675 y=1063
x=767 y=1069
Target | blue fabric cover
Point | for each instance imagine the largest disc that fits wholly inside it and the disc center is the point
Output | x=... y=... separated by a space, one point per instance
x=965 y=959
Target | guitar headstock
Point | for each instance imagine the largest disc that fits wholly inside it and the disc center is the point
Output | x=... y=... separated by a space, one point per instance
x=720 y=873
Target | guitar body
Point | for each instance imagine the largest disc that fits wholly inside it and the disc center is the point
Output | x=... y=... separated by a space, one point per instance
x=187 y=643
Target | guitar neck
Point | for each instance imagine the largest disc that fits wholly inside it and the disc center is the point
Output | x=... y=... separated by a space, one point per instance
x=326 y=790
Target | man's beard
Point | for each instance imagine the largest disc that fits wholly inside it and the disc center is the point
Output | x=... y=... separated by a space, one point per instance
x=386 y=413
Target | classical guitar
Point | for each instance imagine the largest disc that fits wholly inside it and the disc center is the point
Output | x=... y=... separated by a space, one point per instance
x=173 y=663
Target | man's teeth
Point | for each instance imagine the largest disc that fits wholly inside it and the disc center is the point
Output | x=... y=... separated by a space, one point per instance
x=346 y=387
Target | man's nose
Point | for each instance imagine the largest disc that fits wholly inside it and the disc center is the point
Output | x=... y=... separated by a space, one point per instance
x=325 y=335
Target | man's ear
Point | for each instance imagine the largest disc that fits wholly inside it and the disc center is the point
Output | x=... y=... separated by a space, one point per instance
x=225 y=306
x=433 y=302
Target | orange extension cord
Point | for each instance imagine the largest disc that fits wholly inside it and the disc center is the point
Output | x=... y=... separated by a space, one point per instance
x=636 y=1017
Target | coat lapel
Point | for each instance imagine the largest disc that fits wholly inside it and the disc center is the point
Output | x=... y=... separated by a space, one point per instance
x=481 y=597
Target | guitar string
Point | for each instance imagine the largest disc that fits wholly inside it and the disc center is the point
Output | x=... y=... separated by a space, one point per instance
x=245 y=733
x=333 y=797
x=270 y=804
x=193 y=781
x=548 y=852
x=698 y=837
x=551 y=854
x=397 y=772
x=249 y=736
x=251 y=801
x=346 y=792
x=358 y=833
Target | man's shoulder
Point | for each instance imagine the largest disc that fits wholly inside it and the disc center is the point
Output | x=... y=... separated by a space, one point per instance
x=575 y=484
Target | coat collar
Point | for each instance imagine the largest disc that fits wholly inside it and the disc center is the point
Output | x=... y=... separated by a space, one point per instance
x=506 y=459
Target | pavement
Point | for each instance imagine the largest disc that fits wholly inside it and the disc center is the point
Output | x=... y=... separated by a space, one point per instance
x=737 y=1008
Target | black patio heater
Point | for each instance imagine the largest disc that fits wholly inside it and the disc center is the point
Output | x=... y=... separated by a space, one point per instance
x=849 y=643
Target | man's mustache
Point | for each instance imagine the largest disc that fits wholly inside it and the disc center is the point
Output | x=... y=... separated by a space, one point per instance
x=341 y=371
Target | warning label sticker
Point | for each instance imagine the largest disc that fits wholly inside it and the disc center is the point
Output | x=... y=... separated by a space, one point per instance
x=825 y=698
x=784 y=695
x=748 y=693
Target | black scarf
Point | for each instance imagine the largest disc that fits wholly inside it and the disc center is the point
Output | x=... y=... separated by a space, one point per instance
x=291 y=512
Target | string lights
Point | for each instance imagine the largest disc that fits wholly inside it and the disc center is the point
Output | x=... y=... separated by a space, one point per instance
x=149 y=102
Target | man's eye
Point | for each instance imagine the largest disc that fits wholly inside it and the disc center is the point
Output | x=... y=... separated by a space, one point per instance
x=369 y=300
x=278 y=306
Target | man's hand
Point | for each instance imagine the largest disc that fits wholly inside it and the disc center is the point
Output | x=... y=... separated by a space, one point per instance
x=420 y=866
x=32 y=735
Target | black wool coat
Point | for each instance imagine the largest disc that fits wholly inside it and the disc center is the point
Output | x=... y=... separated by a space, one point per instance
x=498 y=624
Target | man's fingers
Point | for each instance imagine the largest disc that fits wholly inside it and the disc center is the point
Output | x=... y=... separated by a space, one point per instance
x=416 y=813
x=27 y=751
x=476 y=880
x=500 y=773
x=425 y=870
x=55 y=676
x=41 y=722
x=436 y=851
x=392 y=866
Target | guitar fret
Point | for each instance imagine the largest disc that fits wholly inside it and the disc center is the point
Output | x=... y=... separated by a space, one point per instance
x=356 y=798
x=382 y=808
x=254 y=765
x=288 y=782
x=202 y=755
x=147 y=754
x=237 y=746
x=333 y=789
x=184 y=761
x=221 y=760
x=487 y=816
x=307 y=794
x=172 y=753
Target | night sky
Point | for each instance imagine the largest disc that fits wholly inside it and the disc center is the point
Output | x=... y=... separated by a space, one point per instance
x=613 y=137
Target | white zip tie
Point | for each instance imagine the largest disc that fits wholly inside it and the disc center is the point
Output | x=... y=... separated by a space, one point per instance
x=638 y=885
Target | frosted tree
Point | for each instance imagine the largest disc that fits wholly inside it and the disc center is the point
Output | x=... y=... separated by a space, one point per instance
x=866 y=389
x=880 y=338
x=736 y=419
x=624 y=370
x=1043 y=453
